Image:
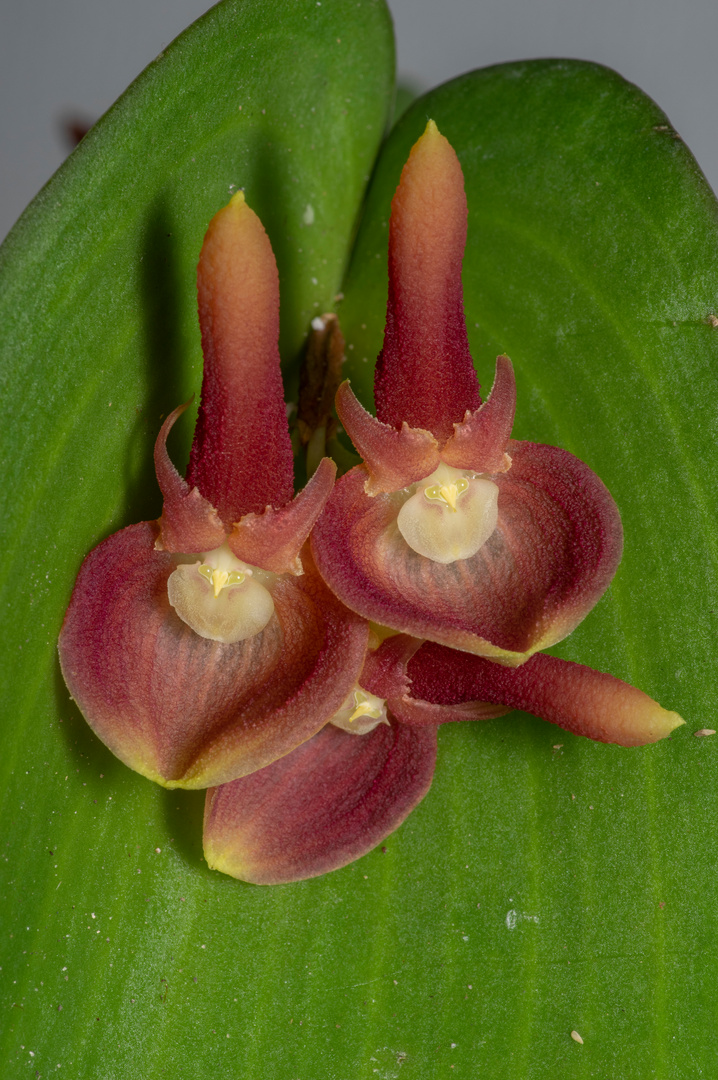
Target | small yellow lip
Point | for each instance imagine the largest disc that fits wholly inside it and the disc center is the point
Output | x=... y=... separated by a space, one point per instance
x=449 y=494
x=219 y=580
x=364 y=709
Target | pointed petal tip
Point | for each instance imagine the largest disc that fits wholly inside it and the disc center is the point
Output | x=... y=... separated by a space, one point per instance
x=668 y=722
x=480 y=439
x=274 y=538
x=229 y=215
x=233 y=222
x=393 y=457
x=432 y=140
x=218 y=856
x=188 y=521
x=573 y=696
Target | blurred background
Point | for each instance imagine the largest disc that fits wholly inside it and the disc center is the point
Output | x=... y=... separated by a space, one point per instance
x=63 y=62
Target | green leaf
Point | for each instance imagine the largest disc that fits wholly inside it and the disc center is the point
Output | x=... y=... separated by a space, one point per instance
x=505 y=912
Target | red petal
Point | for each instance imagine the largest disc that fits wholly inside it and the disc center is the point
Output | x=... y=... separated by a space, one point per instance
x=185 y=711
x=188 y=522
x=384 y=671
x=424 y=374
x=324 y=805
x=554 y=552
x=575 y=697
x=425 y=714
x=480 y=441
x=393 y=458
x=562 y=539
x=385 y=674
x=274 y=539
x=241 y=458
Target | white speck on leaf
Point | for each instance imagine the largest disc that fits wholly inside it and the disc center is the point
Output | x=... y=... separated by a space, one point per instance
x=513 y=918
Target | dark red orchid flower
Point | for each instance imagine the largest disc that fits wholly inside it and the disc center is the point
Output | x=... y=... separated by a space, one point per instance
x=338 y=795
x=203 y=646
x=451 y=530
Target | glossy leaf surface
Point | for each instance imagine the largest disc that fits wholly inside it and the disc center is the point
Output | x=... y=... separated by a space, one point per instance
x=545 y=883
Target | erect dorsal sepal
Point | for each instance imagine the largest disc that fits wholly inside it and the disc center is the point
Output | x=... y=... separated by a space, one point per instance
x=425 y=374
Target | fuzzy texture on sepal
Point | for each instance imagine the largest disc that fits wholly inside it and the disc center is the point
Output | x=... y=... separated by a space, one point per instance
x=499 y=547
x=555 y=550
x=192 y=664
x=241 y=459
x=385 y=674
x=425 y=375
x=188 y=521
x=384 y=671
x=577 y=698
x=393 y=457
x=479 y=442
x=324 y=805
x=186 y=711
x=274 y=538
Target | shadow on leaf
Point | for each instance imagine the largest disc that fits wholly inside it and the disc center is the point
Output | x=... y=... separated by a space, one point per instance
x=161 y=286
x=184 y=813
x=82 y=743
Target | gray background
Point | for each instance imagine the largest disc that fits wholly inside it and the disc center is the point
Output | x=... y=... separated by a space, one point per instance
x=74 y=57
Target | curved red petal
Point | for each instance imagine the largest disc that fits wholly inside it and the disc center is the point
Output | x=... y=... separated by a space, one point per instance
x=324 y=805
x=384 y=671
x=479 y=442
x=186 y=711
x=555 y=549
x=385 y=674
x=562 y=539
x=577 y=698
x=424 y=374
x=274 y=539
x=241 y=457
x=392 y=457
x=188 y=521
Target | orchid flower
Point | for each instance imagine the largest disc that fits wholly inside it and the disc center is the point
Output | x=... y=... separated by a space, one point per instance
x=206 y=650
x=450 y=530
x=202 y=646
x=346 y=789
